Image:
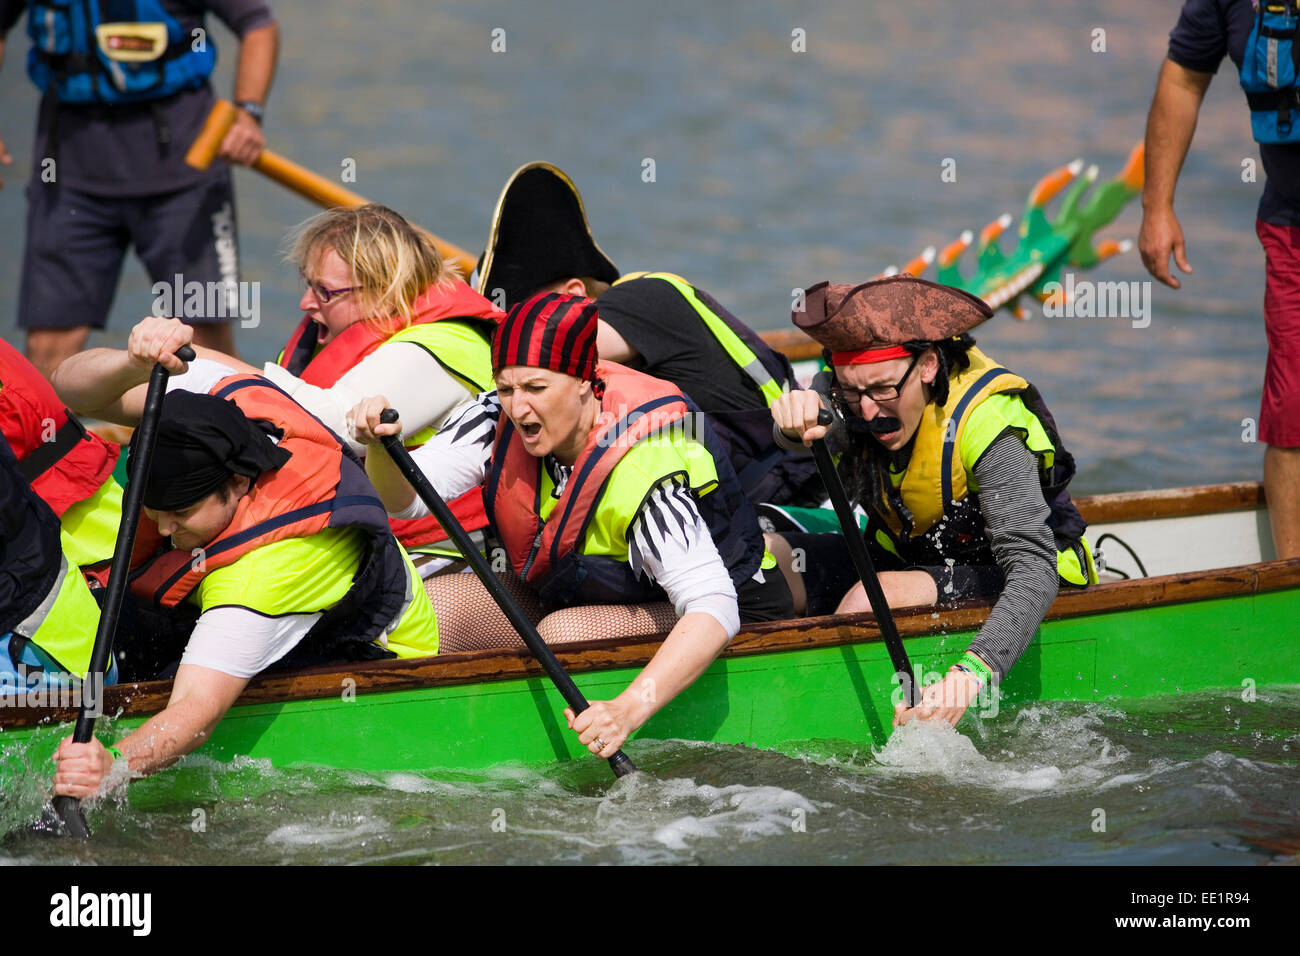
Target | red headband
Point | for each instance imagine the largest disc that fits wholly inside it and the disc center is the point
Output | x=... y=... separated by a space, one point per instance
x=869 y=356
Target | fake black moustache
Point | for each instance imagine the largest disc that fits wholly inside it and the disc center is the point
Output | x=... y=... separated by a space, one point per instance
x=860 y=428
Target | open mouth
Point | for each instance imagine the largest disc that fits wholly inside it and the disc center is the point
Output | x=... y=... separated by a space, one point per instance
x=530 y=430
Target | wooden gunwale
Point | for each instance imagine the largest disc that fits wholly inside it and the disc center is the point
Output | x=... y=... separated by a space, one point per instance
x=1171 y=502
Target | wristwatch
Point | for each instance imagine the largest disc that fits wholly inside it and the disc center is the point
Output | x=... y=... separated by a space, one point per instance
x=252 y=108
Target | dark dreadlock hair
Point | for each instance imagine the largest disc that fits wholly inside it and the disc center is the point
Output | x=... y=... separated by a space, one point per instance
x=864 y=466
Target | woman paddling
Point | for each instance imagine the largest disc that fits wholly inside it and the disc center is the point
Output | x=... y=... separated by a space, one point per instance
x=957 y=461
x=605 y=488
x=383 y=312
x=261 y=544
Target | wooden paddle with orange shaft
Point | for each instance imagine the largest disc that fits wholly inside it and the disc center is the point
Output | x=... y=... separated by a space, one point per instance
x=301 y=180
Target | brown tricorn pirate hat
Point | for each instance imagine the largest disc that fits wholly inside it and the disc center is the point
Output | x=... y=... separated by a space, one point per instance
x=870 y=322
x=539 y=235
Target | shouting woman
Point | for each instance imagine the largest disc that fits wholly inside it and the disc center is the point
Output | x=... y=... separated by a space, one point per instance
x=606 y=488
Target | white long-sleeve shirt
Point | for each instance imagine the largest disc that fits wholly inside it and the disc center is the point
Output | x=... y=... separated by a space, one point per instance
x=668 y=541
x=413 y=381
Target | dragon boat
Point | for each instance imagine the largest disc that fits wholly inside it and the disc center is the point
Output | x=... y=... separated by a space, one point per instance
x=1192 y=601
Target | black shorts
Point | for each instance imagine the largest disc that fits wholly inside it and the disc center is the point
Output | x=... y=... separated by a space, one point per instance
x=76 y=242
x=768 y=600
x=828 y=573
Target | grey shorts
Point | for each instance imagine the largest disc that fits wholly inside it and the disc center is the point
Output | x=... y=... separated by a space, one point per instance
x=76 y=242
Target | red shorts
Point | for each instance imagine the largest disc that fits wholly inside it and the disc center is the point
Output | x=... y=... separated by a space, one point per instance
x=1279 y=412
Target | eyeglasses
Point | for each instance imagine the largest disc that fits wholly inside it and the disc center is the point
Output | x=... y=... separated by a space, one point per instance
x=322 y=294
x=877 y=393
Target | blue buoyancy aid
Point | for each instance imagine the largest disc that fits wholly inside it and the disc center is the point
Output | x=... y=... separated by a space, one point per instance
x=114 y=51
x=1270 y=67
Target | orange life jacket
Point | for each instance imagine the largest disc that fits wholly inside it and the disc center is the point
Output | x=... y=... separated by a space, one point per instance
x=347 y=349
x=62 y=461
x=546 y=554
x=322 y=485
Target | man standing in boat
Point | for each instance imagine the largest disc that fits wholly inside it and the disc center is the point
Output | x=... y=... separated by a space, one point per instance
x=655 y=322
x=957 y=462
x=1263 y=41
x=607 y=490
x=257 y=519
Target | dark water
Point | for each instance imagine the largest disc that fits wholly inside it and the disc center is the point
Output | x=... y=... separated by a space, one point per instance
x=773 y=170
x=1203 y=779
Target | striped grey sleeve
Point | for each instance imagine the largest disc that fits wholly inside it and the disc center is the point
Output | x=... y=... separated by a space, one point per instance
x=1015 y=518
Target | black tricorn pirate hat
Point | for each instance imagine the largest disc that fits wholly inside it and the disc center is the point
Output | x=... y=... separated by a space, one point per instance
x=539 y=235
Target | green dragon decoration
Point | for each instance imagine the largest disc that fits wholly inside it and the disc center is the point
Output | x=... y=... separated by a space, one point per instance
x=1045 y=247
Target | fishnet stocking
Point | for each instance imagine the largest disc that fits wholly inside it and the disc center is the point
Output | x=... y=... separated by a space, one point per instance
x=469 y=619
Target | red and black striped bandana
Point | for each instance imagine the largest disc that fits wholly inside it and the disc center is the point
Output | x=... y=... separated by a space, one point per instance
x=552 y=331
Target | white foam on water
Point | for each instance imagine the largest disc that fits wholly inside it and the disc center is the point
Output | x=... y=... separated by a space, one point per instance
x=315 y=834
x=653 y=820
x=935 y=749
x=1046 y=751
x=736 y=812
x=410 y=783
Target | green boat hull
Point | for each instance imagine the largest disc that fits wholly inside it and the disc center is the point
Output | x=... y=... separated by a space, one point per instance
x=767 y=698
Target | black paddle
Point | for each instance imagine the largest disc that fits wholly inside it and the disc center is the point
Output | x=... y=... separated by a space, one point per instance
x=64 y=817
x=862 y=561
x=619 y=763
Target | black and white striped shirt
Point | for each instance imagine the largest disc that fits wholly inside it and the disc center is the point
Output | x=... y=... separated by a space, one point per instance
x=667 y=541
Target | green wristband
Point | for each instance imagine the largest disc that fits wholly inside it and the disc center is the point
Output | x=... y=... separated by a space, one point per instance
x=972 y=663
x=117 y=754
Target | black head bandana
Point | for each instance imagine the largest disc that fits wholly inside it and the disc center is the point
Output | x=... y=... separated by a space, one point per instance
x=202 y=442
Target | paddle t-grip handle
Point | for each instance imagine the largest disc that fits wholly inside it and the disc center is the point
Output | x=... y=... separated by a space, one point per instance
x=620 y=763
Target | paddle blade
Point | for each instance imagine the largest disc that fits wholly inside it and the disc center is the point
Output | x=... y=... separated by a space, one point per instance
x=621 y=764
x=62 y=818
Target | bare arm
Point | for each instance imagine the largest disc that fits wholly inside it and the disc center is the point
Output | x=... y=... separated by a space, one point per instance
x=679 y=554
x=611 y=346
x=1170 y=126
x=111 y=383
x=691 y=646
x=455 y=460
x=200 y=698
x=258 y=51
